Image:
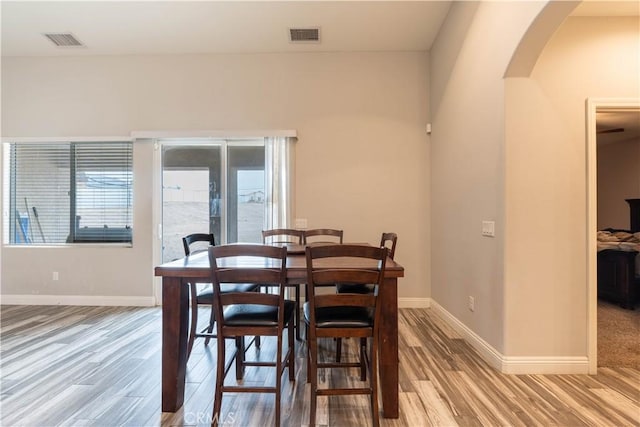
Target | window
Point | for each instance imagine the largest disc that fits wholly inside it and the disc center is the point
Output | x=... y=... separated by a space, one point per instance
x=79 y=192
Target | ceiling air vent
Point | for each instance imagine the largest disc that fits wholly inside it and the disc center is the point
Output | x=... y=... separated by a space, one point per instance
x=64 y=39
x=304 y=35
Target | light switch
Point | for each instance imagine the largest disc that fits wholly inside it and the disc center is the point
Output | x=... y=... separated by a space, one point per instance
x=489 y=228
x=301 y=223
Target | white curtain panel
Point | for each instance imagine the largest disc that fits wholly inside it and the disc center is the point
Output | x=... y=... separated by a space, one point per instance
x=279 y=176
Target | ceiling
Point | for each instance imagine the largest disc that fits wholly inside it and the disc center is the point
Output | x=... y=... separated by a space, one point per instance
x=607 y=8
x=190 y=27
x=625 y=124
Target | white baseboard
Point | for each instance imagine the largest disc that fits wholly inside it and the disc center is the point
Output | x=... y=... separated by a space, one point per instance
x=545 y=365
x=513 y=365
x=128 y=301
x=414 y=302
x=488 y=353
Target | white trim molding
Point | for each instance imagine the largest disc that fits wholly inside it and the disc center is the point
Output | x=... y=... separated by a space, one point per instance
x=545 y=365
x=513 y=365
x=216 y=134
x=414 y=302
x=487 y=352
x=50 y=139
x=593 y=105
x=116 y=301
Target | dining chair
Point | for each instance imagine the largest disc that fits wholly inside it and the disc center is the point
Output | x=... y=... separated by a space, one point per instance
x=284 y=236
x=203 y=295
x=388 y=240
x=323 y=235
x=344 y=315
x=241 y=314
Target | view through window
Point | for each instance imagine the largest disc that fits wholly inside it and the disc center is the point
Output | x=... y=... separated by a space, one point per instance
x=68 y=192
x=215 y=187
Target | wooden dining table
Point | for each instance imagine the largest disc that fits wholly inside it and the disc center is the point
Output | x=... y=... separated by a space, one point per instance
x=176 y=276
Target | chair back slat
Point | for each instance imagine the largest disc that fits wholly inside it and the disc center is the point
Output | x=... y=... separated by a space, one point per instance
x=345 y=276
x=345 y=300
x=256 y=298
x=283 y=235
x=353 y=251
x=262 y=276
x=323 y=235
x=247 y=250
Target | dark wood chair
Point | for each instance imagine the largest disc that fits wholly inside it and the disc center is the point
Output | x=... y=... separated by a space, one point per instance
x=241 y=314
x=388 y=240
x=284 y=236
x=344 y=315
x=323 y=235
x=194 y=243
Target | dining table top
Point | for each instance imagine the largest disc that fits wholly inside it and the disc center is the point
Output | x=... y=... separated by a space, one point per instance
x=197 y=264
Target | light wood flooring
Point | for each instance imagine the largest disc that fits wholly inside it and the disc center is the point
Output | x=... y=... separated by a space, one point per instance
x=101 y=366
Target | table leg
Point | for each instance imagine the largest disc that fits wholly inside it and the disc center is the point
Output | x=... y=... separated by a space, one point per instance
x=388 y=348
x=175 y=321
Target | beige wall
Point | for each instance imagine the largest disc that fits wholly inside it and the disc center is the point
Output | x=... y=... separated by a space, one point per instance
x=545 y=247
x=468 y=61
x=618 y=179
x=362 y=155
x=513 y=150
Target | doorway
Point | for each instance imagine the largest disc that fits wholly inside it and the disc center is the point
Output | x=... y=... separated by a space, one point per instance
x=212 y=186
x=609 y=121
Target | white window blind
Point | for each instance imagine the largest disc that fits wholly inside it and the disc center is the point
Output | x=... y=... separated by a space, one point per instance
x=78 y=192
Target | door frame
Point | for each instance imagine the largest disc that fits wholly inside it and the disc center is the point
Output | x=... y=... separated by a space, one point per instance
x=592 y=106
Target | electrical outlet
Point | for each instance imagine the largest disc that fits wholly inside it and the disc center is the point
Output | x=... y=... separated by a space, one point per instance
x=472 y=303
x=55 y=276
x=301 y=223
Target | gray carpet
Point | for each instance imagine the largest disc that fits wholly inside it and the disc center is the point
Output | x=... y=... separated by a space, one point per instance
x=618 y=336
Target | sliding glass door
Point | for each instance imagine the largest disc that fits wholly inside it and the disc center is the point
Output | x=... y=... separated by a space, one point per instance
x=214 y=187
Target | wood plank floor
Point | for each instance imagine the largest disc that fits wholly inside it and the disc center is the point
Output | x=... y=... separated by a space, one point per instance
x=101 y=366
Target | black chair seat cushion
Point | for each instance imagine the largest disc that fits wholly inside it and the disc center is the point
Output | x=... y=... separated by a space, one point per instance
x=340 y=317
x=205 y=296
x=256 y=315
x=343 y=288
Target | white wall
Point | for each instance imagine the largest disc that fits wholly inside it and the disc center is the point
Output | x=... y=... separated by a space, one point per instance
x=468 y=61
x=362 y=156
x=513 y=150
x=546 y=247
x=618 y=180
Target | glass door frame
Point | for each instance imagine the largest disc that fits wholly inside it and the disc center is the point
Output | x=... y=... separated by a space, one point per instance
x=224 y=144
